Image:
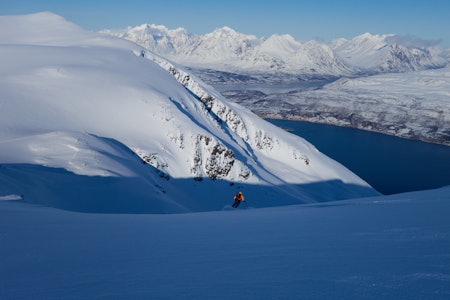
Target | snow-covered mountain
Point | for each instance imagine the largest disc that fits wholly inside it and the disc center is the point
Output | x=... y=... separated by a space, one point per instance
x=80 y=112
x=386 y=54
x=225 y=58
x=227 y=50
x=230 y=51
x=413 y=105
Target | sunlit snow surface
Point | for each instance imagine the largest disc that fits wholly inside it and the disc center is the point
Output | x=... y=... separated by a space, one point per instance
x=80 y=113
x=414 y=103
x=224 y=49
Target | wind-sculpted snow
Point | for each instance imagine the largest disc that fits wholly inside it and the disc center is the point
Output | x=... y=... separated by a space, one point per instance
x=91 y=122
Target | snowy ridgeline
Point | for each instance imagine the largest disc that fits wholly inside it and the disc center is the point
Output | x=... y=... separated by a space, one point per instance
x=231 y=51
x=90 y=122
x=394 y=247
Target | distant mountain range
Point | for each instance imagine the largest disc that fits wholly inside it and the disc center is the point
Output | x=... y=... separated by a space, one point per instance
x=412 y=105
x=229 y=51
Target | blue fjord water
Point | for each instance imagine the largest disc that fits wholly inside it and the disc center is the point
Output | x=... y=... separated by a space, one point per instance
x=389 y=164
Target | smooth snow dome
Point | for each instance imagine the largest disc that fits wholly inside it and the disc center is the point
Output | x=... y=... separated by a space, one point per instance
x=90 y=122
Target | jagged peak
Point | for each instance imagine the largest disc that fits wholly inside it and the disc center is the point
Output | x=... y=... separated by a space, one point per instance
x=227 y=33
x=229 y=50
x=368 y=35
x=157 y=29
x=283 y=43
x=225 y=30
x=282 y=38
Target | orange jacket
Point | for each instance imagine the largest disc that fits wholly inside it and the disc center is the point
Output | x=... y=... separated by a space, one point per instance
x=239 y=197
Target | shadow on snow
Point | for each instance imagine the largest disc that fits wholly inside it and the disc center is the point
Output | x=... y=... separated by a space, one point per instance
x=59 y=188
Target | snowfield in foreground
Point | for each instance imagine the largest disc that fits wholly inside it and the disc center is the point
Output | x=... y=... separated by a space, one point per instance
x=90 y=122
x=393 y=247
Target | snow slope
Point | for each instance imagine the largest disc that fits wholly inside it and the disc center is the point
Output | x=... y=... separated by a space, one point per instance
x=394 y=247
x=80 y=112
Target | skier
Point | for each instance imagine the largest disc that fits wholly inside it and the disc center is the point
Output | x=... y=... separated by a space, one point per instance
x=237 y=199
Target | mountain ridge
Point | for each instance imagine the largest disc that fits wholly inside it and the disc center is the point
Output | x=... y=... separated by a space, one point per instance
x=227 y=50
x=89 y=107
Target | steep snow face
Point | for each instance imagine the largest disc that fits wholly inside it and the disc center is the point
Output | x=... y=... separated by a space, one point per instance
x=383 y=54
x=93 y=106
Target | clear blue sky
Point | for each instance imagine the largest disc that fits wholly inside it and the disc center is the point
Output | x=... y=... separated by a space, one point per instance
x=305 y=20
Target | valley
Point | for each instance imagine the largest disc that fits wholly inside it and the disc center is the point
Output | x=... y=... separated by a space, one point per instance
x=383 y=83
